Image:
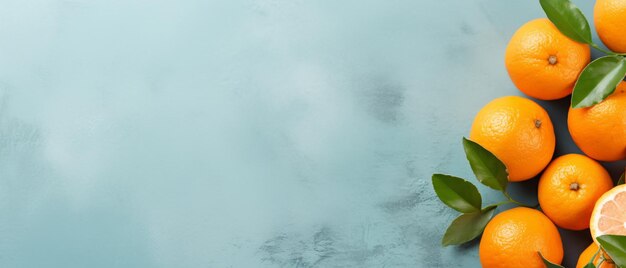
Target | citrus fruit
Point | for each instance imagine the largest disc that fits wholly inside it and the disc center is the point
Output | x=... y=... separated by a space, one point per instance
x=609 y=214
x=514 y=237
x=519 y=132
x=542 y=62
x=610 y=18
x=600 y=130
x=569 y=188
x=588 y=253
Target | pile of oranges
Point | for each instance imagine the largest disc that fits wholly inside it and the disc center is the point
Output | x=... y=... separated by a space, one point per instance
x=575 y=192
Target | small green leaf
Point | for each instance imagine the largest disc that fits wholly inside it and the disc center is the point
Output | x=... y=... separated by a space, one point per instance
x=615 y=246
x=589 y=265
x=598 y=80
x=489 y=170
x=467 y=226
x=568 y=19
x=548 y=263
x=621 y=179
x=457 y=193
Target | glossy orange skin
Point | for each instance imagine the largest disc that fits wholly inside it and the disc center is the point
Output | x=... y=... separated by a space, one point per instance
x=513 y=238
x=610 y=20
x=519 y=132
x=527 y=60
x=571 y=208
x=600 y=131
x=588 y=253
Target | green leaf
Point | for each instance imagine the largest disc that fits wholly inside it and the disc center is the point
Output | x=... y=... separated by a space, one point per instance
x=621 y=179
x=568 y=19
x=598 y=80
x=467 y=226
x=457 y=193
x=489 y=170
x=548 y=263
x=615 y=246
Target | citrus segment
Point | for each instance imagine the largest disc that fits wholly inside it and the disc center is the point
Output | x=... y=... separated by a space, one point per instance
x=609 y=213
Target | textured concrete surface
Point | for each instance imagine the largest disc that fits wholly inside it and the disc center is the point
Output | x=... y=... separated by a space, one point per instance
x=245 y=133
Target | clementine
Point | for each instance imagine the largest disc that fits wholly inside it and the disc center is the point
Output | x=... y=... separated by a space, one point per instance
x=542 y=62
x=600 y=130
x=515 y=237
x=519 y=132
x=569 y=188
x=610 y=18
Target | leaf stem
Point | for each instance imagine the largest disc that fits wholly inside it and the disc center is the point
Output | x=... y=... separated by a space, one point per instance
x=594 y=45
x=511 y=200
x=502 y=203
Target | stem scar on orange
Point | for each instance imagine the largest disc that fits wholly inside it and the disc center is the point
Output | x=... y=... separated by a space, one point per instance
x=542 y=62
x=569 y=188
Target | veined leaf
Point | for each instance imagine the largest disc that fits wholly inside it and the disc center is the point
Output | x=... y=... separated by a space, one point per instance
x=615 y=247
x=548 y=263
x=467 y=226
x=489 y=170
x=568 y=19
x=457 y=193
x=598 y=80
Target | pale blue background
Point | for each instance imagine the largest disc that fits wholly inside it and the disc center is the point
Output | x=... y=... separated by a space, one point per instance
x=247 y=133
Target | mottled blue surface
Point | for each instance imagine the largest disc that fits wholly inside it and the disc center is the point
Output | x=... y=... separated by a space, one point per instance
x=245 y=133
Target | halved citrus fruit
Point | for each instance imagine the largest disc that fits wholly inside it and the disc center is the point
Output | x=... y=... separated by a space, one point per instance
x=609 y=214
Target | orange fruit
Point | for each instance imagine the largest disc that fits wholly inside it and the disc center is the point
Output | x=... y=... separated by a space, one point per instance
x=514 y=237
x=542 y=62
x=519 y=132
x=588 y=253
x=610 y=18
x=600 y=130
x=609 y=214
x=569 y=188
